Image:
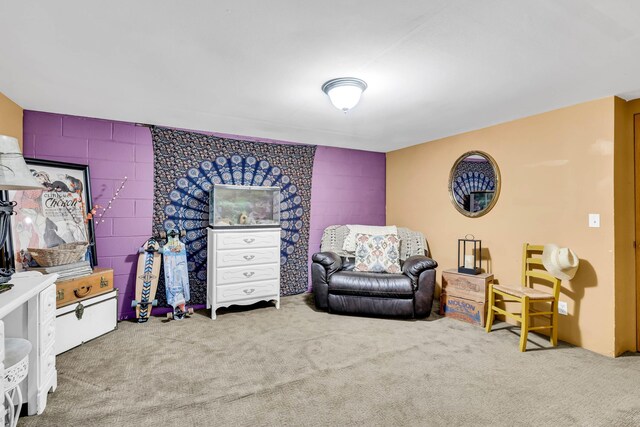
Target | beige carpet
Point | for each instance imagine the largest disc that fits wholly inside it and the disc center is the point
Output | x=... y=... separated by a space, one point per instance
x=297 y=366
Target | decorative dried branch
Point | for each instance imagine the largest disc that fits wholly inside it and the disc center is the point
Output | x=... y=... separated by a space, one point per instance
x=99 y=219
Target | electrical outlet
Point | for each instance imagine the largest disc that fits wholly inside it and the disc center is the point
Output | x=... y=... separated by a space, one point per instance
x=562 y=308
x=594 y=220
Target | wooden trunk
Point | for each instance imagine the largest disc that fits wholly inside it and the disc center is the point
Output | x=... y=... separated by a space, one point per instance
x=467 y=286
x=74 y=290
x=463 y=309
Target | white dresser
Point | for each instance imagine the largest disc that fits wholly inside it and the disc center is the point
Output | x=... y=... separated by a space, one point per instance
x=29 y=311
x=243 y=267
x=45 y=356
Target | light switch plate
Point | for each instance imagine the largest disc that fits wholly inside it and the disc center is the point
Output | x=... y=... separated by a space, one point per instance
x=594 y=220
x=563 y=308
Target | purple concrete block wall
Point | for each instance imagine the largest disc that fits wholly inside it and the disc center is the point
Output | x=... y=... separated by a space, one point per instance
x=112 y=150
x=348 y=185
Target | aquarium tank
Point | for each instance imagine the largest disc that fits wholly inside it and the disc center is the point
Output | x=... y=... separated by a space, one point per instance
x=240 y=206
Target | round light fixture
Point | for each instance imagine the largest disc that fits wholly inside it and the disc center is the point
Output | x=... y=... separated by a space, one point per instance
x=344 y=92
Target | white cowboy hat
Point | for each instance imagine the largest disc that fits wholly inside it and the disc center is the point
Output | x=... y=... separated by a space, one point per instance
x=560 y=262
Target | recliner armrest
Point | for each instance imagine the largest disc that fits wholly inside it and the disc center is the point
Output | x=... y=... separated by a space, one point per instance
x=323 y=266
x=329 y=260
x=416 y=264
x=422 y=272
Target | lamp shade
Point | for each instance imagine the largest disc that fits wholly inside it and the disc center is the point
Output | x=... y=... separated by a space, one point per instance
x=344 y=92
x=14 y=172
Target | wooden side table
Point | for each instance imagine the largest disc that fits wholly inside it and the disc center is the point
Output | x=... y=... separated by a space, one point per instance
x=464 y=296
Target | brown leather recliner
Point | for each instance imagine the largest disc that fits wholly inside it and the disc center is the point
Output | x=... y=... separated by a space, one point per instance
x=337 y=288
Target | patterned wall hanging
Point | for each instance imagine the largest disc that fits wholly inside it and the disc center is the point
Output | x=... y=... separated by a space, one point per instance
x=187 y=164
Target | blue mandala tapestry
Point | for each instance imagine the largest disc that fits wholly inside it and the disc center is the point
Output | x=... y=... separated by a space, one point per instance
x=187 y=164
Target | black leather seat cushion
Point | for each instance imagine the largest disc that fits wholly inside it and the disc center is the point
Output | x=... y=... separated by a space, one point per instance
x=370 y=284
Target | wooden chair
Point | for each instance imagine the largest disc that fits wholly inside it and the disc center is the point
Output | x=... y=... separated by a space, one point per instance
x=532 y=271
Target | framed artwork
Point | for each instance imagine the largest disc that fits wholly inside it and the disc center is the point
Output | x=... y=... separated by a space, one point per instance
x=55 y=215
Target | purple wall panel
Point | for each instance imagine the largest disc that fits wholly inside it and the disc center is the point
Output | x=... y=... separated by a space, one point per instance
x=348 y=185
x=109 y=149
x=125 y=132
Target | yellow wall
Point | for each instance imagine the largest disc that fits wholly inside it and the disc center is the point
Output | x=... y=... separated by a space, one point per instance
x=556 y=168
x=10 y=118
x=624 y=206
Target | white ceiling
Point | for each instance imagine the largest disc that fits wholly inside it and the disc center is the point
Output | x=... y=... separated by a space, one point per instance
x=255 y=67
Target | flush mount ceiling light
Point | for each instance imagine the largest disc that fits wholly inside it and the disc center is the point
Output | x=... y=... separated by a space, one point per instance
x=344 y=92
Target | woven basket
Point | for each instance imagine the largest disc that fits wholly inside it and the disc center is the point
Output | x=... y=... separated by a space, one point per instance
x=65 y=253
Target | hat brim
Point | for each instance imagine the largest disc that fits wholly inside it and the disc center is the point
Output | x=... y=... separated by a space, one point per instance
x=548 y=255
x=567 y=274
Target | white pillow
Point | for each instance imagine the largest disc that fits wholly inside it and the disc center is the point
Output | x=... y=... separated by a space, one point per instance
x=350 y=241
x=378 y=254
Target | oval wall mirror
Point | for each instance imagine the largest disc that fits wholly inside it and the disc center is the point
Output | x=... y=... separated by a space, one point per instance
x=474 y=183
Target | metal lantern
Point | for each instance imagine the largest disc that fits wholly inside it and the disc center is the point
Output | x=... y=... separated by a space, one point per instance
x=469 y=255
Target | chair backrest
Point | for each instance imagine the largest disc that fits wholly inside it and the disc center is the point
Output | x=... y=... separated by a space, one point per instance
x=533 y=268
x=411 y=242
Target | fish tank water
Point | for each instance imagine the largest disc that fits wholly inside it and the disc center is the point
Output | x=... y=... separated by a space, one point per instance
x=240 y=206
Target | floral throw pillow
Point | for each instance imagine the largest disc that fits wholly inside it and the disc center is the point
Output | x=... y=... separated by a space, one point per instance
x=378 y=253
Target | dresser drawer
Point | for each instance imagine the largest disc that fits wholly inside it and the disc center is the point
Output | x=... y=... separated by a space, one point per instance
x=47 y=365
x=47 y=304
x=248 y=240
x=249 y=273
x=237 y=257
x=247 y=290
x=47 y=334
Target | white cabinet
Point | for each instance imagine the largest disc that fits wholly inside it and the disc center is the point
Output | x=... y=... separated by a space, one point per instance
x=42 y=356
x=243 y=267
x=28 y=311
x=83 y=321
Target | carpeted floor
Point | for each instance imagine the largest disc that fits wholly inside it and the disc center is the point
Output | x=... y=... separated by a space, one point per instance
x=297 y=366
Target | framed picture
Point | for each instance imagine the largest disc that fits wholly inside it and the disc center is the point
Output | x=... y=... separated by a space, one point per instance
x=55 y=215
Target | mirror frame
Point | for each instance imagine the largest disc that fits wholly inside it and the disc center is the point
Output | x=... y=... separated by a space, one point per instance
x=494 y=200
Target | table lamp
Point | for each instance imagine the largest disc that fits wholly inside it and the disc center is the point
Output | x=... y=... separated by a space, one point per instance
x=14 y=175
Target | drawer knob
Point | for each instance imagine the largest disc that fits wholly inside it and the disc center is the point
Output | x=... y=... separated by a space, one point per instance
x=249 y=257
x=248 y=273
x=248 y=291
x=249 y=241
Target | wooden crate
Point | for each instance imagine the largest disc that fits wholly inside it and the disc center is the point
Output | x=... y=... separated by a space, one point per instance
x=467 y=286
x=97 y=283
x=463 y=309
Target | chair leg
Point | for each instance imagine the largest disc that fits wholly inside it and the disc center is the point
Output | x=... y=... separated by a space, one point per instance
x=18 y=406
x=8 y=404
x=554 y=324
x=13 y=405
x=492 y=301
x=524 y=324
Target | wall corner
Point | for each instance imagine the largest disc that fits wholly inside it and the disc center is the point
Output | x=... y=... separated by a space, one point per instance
x=624 y=226
x=11 y=118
